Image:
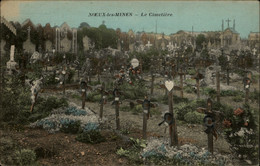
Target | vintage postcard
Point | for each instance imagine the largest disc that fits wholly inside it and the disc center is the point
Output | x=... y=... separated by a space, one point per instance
x=129 y=83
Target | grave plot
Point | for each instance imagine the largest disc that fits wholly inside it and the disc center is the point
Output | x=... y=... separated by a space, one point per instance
x=69 y=119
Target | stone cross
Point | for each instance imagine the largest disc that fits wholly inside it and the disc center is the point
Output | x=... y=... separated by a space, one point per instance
x=29 y=30
x=228 y=20
x=204 y=44
x=12 y=53
x=148 y=44
x=170 y=46
x=254 y=51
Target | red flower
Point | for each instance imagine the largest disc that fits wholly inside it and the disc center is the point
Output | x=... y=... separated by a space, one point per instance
x=238 y=112
x=227 y=123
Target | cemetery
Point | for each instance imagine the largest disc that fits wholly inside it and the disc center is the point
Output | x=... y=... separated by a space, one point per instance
x=99 y=96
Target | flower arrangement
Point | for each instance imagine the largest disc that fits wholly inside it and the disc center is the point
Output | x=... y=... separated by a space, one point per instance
x=187 y=154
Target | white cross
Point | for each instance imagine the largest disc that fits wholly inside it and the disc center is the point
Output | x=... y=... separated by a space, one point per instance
x=254 y=51
x=148 y=44
x=170 y=46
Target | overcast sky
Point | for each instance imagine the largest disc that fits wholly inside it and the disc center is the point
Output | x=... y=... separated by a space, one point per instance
x=203 y=16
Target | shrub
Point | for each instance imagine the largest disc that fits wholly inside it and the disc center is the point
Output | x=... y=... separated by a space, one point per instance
x=237 y=99
x=25 y=157
x=155 y=111
x=210 y=92
x=92 y=97
x=183 y=108
x=90 y=126
x=70 y=126
x=231 y=93
x=243 y=134
x=188 y=89
x=254 y=96
x=75 y=112
x=194 y=117
x=92 y=137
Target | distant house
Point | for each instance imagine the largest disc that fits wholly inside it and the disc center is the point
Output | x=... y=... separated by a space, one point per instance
x=230 y=37
x=254 y=39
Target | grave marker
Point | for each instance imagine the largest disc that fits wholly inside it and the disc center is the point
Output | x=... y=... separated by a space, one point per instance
x=198 y=76
x=103 y=99
x=181 y=81
x=146 y=104
x=210 y=121
x=218 y=86
x=247 y=82
x=116 y=94
x=172 y=128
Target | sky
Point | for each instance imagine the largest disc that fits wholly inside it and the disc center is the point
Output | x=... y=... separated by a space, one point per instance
x=202 y=15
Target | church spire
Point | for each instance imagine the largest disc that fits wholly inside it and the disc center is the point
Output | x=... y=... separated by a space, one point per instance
x=234 y=24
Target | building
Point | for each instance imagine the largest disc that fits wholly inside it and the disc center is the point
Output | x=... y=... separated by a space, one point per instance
x=229 y=37
x=254 y=39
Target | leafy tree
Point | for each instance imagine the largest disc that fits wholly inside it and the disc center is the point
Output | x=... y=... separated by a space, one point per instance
x=199 y=40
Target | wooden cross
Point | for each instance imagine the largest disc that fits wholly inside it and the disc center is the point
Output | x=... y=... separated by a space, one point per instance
x=247 y=81
x=181 y=82
x=146 y=104
x=169 y=85
x=197 y=77
x=209 y=120
x=116 y=93
x=228 y=20
x=84 y=86
x=102 y=102
x=152 y=81
x=218 y=86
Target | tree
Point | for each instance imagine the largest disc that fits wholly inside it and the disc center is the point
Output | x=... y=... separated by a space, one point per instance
x=84 y=25
x=199 y=40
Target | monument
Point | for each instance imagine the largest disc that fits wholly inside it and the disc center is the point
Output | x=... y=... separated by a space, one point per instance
x=11 y=64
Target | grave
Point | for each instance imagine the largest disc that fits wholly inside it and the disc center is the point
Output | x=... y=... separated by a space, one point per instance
x=11 y=64
x=28 y=46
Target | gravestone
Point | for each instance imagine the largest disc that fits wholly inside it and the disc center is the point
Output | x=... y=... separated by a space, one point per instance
x=86 y=43
x=28 y=46
x=11 y=64
x=48 y=45
x=210 y=74
x=132 y=47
